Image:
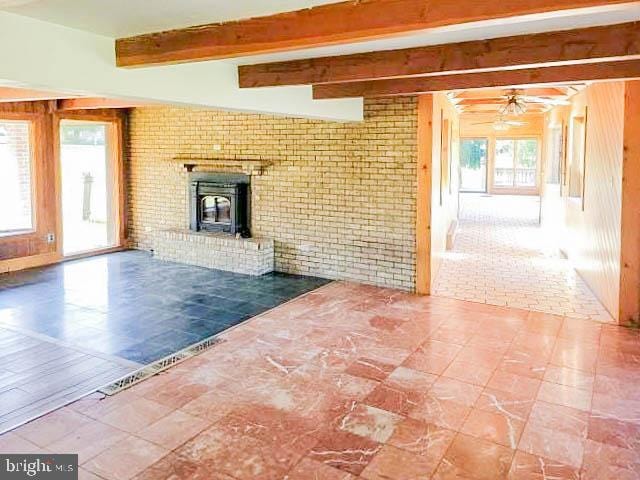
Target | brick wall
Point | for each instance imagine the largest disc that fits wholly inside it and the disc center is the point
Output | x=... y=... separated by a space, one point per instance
x=338 y=199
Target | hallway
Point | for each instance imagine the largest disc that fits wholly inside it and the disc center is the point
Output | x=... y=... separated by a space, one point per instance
x=502 y=256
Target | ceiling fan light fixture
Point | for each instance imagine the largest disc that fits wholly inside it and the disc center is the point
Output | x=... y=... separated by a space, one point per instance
x=513 y=108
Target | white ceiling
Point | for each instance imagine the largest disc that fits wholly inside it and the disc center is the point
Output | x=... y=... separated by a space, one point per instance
x=121 y=18
x=79 y=34
x=566 y=20
x=118 y=18
x=57 y=58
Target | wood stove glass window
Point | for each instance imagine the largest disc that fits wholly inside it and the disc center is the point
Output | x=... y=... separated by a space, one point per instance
x=216 y=209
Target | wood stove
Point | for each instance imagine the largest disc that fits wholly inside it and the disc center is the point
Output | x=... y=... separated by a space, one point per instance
x=220 y=203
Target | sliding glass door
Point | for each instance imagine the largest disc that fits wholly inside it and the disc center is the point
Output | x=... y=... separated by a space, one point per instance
x=516 y=163
x=473 y=164
x=88 y=186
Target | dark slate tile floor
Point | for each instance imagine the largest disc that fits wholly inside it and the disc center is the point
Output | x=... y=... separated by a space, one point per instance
x=132 y=306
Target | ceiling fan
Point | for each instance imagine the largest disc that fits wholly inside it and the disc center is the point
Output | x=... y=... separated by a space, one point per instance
x=502 y=124
x=517 y=102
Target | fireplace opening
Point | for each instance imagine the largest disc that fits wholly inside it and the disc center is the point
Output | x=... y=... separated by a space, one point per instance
x=216 y=209
x=220 y=203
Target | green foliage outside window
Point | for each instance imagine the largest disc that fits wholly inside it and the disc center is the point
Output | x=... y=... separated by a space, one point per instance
x=82 y=134
x=473 y=153
x=527 y=153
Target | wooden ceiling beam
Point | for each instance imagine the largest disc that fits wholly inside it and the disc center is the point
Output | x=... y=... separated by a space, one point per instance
x=332 y=24
x=568 y=46
x=93 y=103
x=564 y=74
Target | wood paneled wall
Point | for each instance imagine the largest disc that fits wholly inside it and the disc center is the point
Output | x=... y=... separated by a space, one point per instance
x=423 y=195
x=592 y=238
x=32 y=249
x=437 y=195
x=630 y=216
x=553 y=205
x=444 y=176
x=594 y=227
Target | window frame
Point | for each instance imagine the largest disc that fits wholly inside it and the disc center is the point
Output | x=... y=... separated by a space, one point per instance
x=578 y=165
x=514 y=139
x=31 y=121
x=116 y=128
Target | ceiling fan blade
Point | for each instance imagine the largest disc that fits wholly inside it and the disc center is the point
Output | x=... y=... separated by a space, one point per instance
x=546 y=101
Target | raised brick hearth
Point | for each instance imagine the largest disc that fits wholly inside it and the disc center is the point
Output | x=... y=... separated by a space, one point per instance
x=251 y=256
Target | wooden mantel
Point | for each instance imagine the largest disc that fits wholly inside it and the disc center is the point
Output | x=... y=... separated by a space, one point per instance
x=248 y=166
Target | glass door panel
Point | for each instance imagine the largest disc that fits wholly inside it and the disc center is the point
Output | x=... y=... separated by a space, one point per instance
x=87 y=187
x=516 y=162
x=503 y=170
x=526 y=162
x=473 y=164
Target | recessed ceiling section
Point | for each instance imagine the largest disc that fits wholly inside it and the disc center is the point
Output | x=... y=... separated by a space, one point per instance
x=513 y=102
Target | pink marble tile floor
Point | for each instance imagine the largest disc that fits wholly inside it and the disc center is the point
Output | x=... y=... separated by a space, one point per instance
x=352 y=381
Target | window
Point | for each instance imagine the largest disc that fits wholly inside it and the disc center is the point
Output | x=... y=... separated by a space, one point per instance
x=516 y=162
x=16 y=214
x=554 y=168
x=445 y=160
x=576 y=167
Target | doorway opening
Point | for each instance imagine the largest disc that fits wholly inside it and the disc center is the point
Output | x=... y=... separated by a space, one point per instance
x=88 y=187
x=512 y=168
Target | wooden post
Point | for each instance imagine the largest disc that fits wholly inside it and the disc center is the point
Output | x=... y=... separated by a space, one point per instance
x=630 y=232
x=423 y=195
